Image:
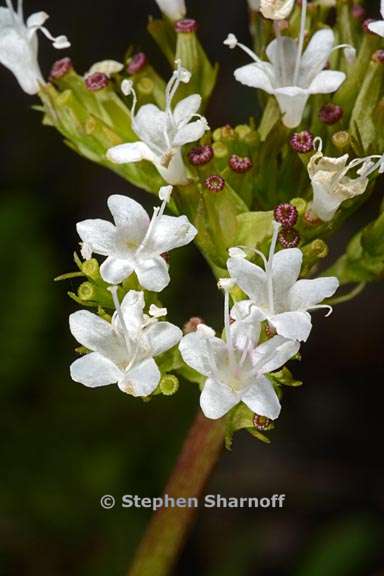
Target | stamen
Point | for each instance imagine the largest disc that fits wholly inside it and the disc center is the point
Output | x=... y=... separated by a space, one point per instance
x=113 y=290
x=330 y=113
x=137 y=63
x=289 y=238
x=262 y=423
x=301 y=41
x=302 y=142
x=226 y=284
x=276 y=228
x=320 y=306
x=96 y=81
x=186 y=26
x=60 y=68
x=214 y=183
x=200 y=155
x=286 y=214
x=232 y=42
x=240 y=164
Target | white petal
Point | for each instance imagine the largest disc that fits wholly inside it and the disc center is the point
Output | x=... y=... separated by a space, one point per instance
x=190 y=133
x=292 y=103
x=250 y=278
x=174 y=9
x=97 y=335
x=186 y=108
x=316 y=55
x=115 y=270
x=150 y=124
x=197 y=354
x=307 y=293
x=176 y=173
x=382 y=8
x=132 y=308
x=129 y=216
x=326 y=82
x=262 y=399
x=130 y=152
x=37 y=19
x=286 y=266
x=276 y=10
x=274 y=353
x=295 y=325
x=256 y=76
x=377 y=27
x=282 y=52
x=152 y=273
x=246 y=332
x=100 y=235
x=325 y=204
x=142 y=379
x=19 y=55
x=217 y=399
x=171 y=232
x=94 y=370
x=162 y=336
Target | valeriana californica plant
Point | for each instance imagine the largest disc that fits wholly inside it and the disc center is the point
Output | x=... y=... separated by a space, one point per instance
x=19 y=44
x=268 y=196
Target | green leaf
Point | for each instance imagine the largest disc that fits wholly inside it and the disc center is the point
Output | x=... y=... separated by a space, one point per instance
x=284 y=377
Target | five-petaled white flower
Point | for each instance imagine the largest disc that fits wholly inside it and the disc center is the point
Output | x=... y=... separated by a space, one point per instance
x=276 y=9
x=174 y=9
x=378 y=26
x=331 y=183
x=134 y=243
x=19 y=45
x=122 y=351
x=291 y=75
x=282 y=299
x=162 y=133
x=236 y=367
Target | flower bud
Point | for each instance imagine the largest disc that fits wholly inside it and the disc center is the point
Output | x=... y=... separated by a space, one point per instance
x=330 y=113
x=240 y=164
x=169 y=384
x=358 y=12
x=145 y=86
x=300 y=204
x=276 y=9
x=137 y=63
x=220 y=150
x=302 y=142
x=378 y=56
x=214 y=183
x=91 y=269
x=186 y=26
x=341 y=139
x=286 y=215
x=289 y=238
x=96 y=81
x=225 y=133
x=261 y=422
x=200 y=155
x=60 y=68
x=192 y=324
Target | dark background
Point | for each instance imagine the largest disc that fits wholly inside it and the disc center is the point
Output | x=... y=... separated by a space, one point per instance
x=63 y=446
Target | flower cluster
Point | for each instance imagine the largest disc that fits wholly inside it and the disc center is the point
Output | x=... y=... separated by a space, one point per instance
x=261 y=200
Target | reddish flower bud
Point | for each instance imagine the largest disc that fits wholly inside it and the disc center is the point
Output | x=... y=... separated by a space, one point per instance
x=378 y=56
x=358 y=12
x=214 y=183
x=137 y=63
x=261 y=422
x=289 y=238
x=330 y=113
x=240 y=164
x=286 y=215
x=192 y=324
x=200 y=155
x=96 y=81
x=60 y=68
x=186 y=25
x=302 y=142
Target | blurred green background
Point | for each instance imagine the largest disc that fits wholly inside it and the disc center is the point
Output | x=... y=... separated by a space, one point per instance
x=63 y=446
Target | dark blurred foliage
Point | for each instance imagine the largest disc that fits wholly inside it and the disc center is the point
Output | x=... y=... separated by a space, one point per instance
x=64 y=446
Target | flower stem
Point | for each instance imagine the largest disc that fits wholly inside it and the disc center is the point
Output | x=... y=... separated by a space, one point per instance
x=168 y=528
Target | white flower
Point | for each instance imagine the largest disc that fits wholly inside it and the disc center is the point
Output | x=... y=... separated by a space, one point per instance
x=331 y=183
x=277 y=293
x=134 y=243
x=107 y=67
x=276 y=9
x=122 y=351
x=163 y=133
x=174 y=9
x=19 y=45
x=236 y=368
x=292 y=75
x=378 y=26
